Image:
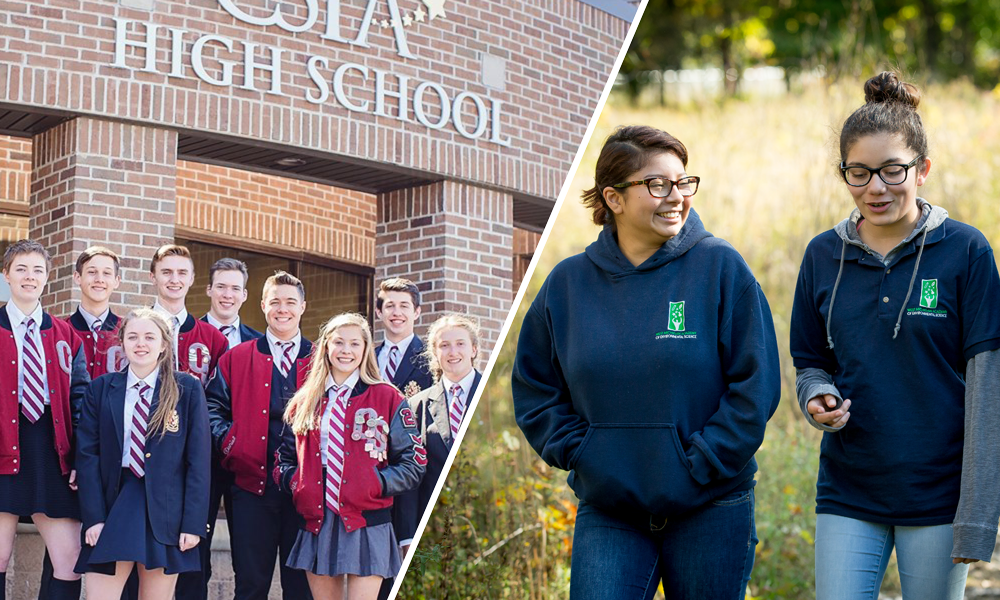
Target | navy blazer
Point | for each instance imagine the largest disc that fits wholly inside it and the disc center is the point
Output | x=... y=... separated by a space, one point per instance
x=431 y=410
x=412 y=367
x=246 y=333
x=178 y=464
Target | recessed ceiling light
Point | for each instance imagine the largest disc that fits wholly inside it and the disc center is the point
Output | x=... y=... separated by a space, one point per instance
x=290 y=161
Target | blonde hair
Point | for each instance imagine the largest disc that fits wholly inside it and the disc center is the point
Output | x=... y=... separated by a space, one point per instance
x=169 y=392
x=302 y=412
x=438 y=328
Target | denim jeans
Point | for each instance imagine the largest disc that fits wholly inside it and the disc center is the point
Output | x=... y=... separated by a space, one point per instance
x=707 y=553
x=851 y=557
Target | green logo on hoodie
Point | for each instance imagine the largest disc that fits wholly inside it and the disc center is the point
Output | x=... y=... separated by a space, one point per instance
x=676 y=323
x=929 y=293
x=676 y=316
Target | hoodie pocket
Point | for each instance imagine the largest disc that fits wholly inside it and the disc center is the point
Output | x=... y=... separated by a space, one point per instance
x=636 y=466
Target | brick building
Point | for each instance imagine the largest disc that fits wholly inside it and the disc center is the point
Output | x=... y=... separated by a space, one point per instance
x=343 y=140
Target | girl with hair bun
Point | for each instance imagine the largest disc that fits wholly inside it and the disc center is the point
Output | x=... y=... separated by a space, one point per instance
x=648 y=368
x=895 y=335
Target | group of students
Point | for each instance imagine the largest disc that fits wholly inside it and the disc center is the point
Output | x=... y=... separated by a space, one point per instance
x=123 y=435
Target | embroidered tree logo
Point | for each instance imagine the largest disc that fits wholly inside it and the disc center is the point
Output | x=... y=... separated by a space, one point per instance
x=676 y=316
x=929 y=293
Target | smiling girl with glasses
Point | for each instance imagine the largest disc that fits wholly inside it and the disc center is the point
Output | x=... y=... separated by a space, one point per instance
x=648 y=367
x=895 y=334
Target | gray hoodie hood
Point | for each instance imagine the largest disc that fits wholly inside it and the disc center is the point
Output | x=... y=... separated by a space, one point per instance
x=931 y=217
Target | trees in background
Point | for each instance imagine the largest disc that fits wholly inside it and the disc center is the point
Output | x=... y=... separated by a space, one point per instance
x=939 y=39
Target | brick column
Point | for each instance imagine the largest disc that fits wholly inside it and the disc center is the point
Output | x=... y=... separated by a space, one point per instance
x=102 y=182
x=454 y=240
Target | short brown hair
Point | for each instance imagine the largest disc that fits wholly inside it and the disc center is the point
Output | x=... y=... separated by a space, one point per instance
x=284 y=278
x=25 y=247
x=398 y=284
x=228 y=264
x=169 y=250
x=626 y=151
x=88 y=254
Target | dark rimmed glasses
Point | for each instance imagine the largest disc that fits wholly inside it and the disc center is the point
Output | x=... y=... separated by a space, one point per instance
x=660 y=187
x=858 y=176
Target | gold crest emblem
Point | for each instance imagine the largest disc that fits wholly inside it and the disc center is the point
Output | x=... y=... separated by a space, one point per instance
x=174 y=422
x=411 y=389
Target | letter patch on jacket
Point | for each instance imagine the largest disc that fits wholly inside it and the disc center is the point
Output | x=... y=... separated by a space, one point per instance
x=369 y=425
x=407 y=415
x=116 y=359
x=199 y=361
x=419 y=452
x=65 y=355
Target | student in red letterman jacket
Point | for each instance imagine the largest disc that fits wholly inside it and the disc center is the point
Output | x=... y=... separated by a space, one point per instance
x=144 y=458
x=97 y=275
x=350 y=445
x=246 y=401
x=44 y=381
x=198 y=347
x=452 y=347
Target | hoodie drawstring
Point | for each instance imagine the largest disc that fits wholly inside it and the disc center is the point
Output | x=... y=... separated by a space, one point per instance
x=913 y=278
x=829 y=312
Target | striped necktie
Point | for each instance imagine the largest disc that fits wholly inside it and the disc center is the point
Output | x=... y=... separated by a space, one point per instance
x=95 y=327
x=226 y=330
x=457 y=409
x=33 y=393
x=286 y=357
x=392 y=363
x=335 y=449
x=137 y=439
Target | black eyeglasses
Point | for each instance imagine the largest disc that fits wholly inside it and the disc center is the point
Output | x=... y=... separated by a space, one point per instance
x=858 y=176
x=660 y=187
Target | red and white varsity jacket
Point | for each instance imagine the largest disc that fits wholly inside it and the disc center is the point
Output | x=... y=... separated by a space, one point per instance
x=370 y=479
x=67 y=378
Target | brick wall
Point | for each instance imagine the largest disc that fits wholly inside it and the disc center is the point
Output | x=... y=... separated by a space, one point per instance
x=454 y=241
x=15 y=169
x=558 y=56
x=106 y=182
x=290 y=213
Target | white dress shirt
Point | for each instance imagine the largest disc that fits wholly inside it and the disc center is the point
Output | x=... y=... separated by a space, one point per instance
x=383 y=355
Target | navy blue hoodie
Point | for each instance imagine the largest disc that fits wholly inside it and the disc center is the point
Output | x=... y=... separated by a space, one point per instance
x=652 y=384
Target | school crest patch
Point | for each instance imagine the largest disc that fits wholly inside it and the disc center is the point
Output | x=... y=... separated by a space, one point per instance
x=411 y=389
x=173 y=424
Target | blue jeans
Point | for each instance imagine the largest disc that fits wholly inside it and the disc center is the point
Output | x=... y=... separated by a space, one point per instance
x=705 y=554
x=851 y=557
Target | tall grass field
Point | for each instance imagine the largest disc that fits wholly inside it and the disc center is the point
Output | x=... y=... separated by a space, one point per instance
x=503 y=526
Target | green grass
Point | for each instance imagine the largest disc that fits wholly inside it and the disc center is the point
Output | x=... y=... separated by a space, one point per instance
x=769 y=185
